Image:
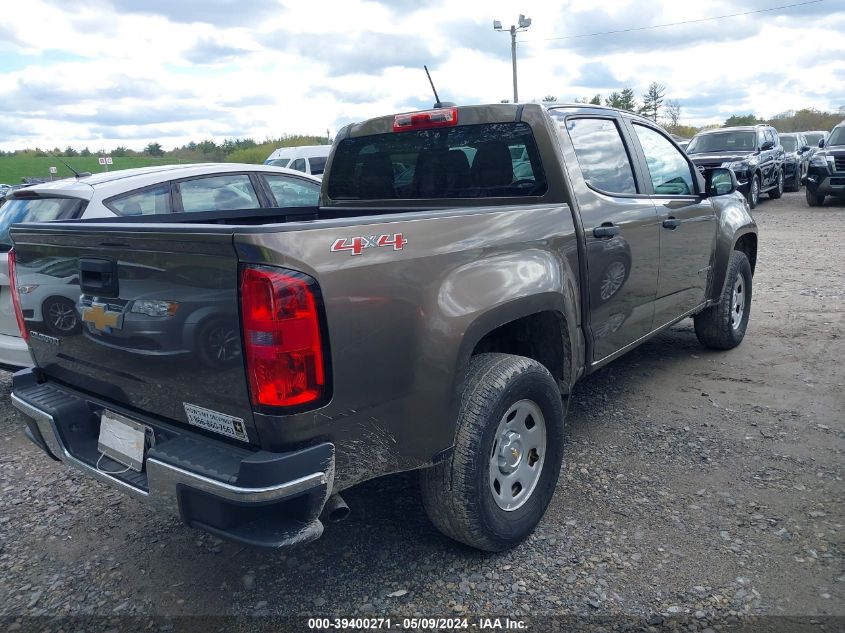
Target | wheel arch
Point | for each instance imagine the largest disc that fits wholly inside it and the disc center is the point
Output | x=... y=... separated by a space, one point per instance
x=540 y=327
x=745 y=241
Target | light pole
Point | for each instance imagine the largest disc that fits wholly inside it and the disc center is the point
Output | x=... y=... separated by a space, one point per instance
x=522 y=24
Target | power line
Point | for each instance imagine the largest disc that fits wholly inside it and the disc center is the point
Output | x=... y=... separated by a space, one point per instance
x=660 y=26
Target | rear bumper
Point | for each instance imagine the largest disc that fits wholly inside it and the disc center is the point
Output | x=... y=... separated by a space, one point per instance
x=14 y=352
x=258 y=498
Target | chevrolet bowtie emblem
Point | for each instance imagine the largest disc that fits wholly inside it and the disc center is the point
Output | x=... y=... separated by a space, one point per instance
x=100 y=318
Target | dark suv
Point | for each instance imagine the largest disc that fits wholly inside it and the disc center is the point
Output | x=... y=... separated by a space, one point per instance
x=753 y=152
x=826 y=173
x=797 y=153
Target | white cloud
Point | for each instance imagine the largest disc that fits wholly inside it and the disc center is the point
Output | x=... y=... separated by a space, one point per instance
x=126 y=72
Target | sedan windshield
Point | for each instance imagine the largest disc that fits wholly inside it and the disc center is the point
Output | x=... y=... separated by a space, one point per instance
x=837 y=137
x=723 y=142
x=35 y=210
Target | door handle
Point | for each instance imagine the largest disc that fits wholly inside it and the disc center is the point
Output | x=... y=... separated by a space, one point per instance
x=98 y=277
x=671 y=223
x=606 y=230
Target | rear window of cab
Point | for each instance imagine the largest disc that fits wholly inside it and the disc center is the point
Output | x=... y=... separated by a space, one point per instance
x=491 y=160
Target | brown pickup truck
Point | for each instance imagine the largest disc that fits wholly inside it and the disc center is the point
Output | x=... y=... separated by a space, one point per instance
x=465 y=267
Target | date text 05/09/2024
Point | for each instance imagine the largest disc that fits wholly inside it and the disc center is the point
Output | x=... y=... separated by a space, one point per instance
x=434 y=624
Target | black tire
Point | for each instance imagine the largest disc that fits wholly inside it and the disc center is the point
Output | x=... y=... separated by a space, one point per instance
x=219 y=343
x=612 y=278
x=796 y=182
x=814 y=199
x=777 y=192
x=713 y=326
x=457 y=493
x=754 y=198
x=60 y=316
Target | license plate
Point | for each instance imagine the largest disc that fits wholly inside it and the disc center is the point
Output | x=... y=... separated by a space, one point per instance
x=122 y=440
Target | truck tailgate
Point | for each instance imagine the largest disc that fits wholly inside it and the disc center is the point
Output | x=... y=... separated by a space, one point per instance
x=157 y=326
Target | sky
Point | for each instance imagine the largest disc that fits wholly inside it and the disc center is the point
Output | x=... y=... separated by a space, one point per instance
x=103 y=73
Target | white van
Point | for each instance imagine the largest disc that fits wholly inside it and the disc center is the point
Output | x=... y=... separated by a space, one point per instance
x=309 y=159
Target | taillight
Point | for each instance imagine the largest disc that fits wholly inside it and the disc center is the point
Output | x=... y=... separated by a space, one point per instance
x=442 y=117
x=16 y=299
x=283 y=343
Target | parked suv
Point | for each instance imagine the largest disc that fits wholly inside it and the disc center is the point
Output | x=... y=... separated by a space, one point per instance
x=826 y=174
x=753 y=152
x=796 y=159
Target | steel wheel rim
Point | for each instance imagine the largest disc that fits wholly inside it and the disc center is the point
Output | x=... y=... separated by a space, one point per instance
x=613 y=279
x=62 y=316
x=518 y=455
x=223 y=343
x=738 y=302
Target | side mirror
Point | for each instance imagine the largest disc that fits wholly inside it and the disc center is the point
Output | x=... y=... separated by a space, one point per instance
x=805 y=148
x=767 y=145
x=821 y=142
x=719 y=181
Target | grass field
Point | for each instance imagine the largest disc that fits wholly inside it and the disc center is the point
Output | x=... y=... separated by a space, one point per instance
x=13 y=168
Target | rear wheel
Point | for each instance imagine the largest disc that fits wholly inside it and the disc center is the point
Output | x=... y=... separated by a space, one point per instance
x=814 y=199
x=777 y=192
x=494 y=489
x=723 y=326
x=219 y=343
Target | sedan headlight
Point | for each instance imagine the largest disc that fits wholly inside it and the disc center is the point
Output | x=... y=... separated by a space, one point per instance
x=155 y=308
x=27 y=288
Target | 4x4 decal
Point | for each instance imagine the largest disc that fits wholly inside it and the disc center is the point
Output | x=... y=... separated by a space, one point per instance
x=356 y=245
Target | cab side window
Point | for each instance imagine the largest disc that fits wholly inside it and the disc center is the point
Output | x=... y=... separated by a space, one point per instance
x=293 y=192
x=298 y=165
x=601 y=155
x=671 y=174
x=218 y=193
x=150 y=201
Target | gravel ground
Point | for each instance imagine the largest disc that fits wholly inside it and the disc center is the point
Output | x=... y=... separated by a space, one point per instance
x=696 y=485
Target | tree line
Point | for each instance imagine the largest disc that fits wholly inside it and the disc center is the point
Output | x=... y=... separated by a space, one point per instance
x=245 y=150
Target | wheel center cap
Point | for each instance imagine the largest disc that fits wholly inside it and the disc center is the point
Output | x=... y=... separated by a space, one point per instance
x=510 y=452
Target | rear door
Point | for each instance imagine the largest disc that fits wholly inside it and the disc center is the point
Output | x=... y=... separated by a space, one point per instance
x=687 y=224
x=620 y=232
x=159 y=326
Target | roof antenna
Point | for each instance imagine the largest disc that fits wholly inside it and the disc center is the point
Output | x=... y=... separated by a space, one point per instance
x=437 y=102
x=75 y=173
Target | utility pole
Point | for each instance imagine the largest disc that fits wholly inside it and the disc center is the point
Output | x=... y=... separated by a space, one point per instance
x=522 y=24
x=513 y=61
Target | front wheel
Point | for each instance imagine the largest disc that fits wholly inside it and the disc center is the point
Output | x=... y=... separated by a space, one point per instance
x=723 y=326
x=60 y=316
x=494 y=489
x=814 y=199
x=754 y=191
x=796 y=181
x=777 y=192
